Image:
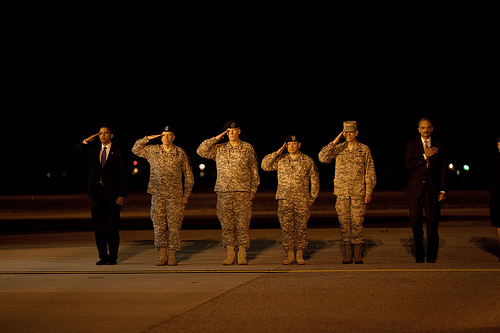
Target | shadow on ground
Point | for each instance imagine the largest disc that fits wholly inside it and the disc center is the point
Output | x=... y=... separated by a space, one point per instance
x=488 y=245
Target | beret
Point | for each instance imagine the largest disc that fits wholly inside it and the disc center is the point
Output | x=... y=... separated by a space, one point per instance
x=292 y=138
x=231 y=124
x=167 y=129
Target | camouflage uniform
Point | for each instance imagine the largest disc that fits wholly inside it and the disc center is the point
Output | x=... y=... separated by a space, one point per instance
x=165 y=186
x=354 y=179
x=298 y=184
x=237 y=176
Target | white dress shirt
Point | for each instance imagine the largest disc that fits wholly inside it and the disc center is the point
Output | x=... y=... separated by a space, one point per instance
x=108 y=148
x=423 y=144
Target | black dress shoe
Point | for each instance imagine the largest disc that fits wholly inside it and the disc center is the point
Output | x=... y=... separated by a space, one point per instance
x=101 y=262
x=111 y=262
x=419 y=261
x=431 y=260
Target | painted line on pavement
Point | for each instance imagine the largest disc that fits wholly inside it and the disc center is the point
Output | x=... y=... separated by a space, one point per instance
x=394 y=270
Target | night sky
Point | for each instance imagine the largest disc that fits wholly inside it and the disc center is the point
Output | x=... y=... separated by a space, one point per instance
x=69 y=75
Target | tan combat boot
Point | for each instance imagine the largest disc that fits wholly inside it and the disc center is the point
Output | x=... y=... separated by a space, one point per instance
x=358 y=257
x=242 y=256
x=348 y=254
x=172 y=260
x=230 y=255
x=290 y=257
x=300 y=258
x=163 y=257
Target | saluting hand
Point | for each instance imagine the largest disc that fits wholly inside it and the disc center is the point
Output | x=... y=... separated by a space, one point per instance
x=151 y=137
x=282 y=149
x=92 y=137
x=337 y=139
x=220 y=136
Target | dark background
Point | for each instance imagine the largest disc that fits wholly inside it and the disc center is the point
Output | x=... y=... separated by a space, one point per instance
x=71 y=71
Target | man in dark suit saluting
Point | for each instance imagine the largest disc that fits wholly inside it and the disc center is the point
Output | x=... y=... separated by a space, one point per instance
x=425 y=162
x=107 y=190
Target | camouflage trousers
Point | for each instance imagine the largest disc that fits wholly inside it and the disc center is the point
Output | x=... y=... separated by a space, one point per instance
x=293 y=216
x=234 y=211
x=167 y=213
x=351 y=214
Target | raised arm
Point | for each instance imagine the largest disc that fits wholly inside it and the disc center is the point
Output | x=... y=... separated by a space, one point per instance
x=270 y=162
x=331 y=150
x=207 y=148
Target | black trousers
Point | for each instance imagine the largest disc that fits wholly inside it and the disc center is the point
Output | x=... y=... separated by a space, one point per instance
x=429 y=203
x=105 y=214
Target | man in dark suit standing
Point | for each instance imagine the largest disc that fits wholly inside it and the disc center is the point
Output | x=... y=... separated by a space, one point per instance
x=107 y=190
x=426 y=164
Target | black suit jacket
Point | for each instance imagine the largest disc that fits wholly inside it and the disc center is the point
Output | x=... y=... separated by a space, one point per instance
x=434 y=176
x=114 y=174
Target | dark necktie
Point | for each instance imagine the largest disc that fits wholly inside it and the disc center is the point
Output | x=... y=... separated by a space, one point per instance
x=427 y=160
x=103 y=157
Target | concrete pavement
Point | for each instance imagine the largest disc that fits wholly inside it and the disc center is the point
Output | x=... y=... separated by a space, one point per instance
x=49 y=283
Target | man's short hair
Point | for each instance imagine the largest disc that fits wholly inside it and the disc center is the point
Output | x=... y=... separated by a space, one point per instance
x=108 y=127
x=424 y=119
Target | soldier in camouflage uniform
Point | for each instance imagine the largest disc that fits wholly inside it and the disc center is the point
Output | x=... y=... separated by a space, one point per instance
x=298 y=187
x=168 y=164
x=236 y=185
x=353 y=185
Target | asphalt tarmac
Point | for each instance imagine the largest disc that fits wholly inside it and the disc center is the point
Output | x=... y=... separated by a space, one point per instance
x=49 y=283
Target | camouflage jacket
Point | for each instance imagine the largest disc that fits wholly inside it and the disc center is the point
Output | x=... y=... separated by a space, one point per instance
x=354 y=169
x=237 y=167
x=297 y=178
x=167 y=169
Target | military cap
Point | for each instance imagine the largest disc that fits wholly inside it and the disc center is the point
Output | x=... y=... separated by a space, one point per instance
x=231 y=124
x=350 y=126
x=167 y=129
x=292 y=138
